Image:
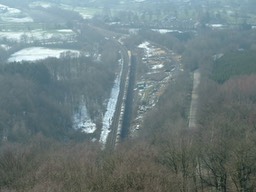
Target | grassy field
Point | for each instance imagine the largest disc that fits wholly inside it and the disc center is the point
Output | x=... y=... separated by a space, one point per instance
x=234 y=64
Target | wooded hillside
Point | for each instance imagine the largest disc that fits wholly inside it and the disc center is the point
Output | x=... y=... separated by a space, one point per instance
x=43 y=153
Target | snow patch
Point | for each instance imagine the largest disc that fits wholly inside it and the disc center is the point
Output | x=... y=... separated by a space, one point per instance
x=5 y=47
x=144 y=45
x=85 y=16
x=160 y=66
x=164 y=31
x=82 y=121
x=149 y=50
x=65 y=30
x=216 y=25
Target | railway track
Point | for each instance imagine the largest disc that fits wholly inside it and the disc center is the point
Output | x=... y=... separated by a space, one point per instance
x=117 y=124
x=116 y=134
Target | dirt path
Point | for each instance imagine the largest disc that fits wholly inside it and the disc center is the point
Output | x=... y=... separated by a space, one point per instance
x=194 y=100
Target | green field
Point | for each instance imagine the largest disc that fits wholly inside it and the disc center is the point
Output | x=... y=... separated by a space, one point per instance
x=234 y=64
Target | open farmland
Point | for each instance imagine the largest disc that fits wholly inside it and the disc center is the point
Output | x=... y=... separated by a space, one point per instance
x=13 y=15
x=85 y=12
x=39 y=35
x=38 y=53
x=22 y=37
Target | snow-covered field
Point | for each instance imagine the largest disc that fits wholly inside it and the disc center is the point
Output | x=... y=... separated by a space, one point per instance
x=14 y=30
x=9 y=14
x=38 y=53
x=81 y=10
x=39 y=35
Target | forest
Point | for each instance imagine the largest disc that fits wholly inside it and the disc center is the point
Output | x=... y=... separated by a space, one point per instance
x=218 y=155
x=41 y=151
x=41 y=97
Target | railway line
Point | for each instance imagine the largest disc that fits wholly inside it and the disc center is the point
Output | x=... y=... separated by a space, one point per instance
x=117 y=135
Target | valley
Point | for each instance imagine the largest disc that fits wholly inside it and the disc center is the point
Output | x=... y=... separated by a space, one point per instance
x=127 y=95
